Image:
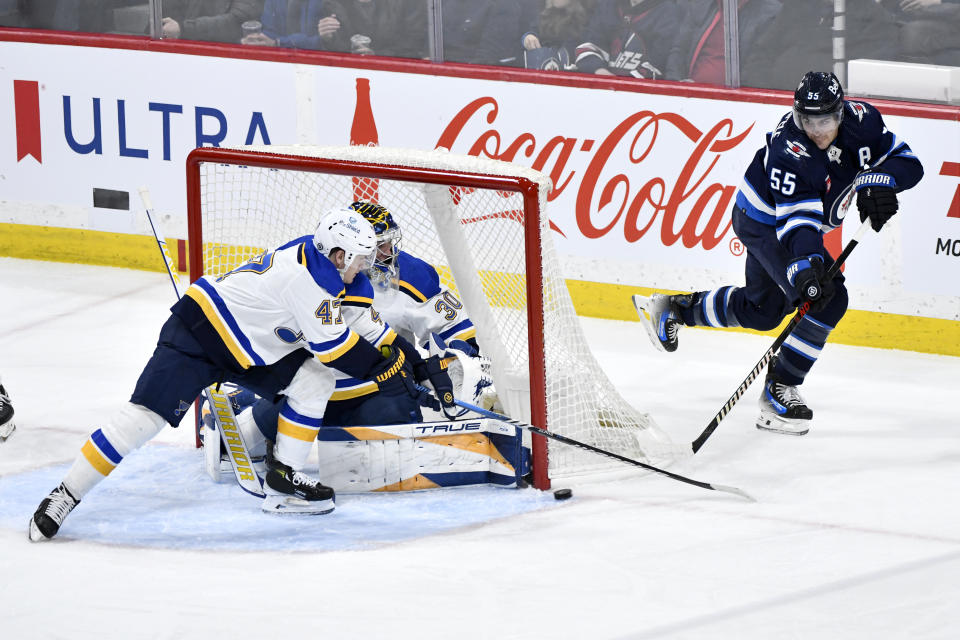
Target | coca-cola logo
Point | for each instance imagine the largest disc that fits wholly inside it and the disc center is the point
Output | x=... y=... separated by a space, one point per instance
x=688 y=206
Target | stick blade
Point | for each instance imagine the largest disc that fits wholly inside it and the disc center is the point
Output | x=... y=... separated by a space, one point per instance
x=737 y=492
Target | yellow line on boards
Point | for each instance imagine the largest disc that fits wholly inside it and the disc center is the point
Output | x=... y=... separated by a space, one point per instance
x=593 y=299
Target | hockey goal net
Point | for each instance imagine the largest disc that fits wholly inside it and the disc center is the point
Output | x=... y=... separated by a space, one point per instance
x=482 y=223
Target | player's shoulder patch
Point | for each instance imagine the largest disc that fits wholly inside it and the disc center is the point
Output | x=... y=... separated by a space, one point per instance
x=323 y=272
x=795 y=149
x=359 y=293
x=858 y=110
x=418 y=279
x=793 y=153
x=863 y=122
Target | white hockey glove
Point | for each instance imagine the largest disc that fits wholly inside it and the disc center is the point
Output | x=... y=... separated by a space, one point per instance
x=470 y=374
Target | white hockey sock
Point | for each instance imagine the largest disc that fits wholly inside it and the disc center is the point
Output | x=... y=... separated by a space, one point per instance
x=302 y=413
x=295 y=436
x=129 y=429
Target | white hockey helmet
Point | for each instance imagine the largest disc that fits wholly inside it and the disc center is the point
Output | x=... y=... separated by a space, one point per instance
x=343 y=228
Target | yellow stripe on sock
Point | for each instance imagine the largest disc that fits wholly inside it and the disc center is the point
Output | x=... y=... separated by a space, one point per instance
x=289 y=429
x=96 y=459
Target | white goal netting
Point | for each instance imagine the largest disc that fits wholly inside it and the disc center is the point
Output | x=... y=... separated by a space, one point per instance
x=465 y=216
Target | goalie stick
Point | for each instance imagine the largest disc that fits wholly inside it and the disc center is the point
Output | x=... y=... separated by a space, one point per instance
x=589 y=447
x=772 y=350
x=220 y=407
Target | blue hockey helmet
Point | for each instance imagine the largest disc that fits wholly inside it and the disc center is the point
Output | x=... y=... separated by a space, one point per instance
x=818 y=100
x=384 y=271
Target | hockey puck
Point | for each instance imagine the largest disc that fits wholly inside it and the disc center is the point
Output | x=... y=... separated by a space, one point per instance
x=562 y=494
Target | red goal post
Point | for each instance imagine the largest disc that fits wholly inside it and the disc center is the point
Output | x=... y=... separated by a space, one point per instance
x=482 y=224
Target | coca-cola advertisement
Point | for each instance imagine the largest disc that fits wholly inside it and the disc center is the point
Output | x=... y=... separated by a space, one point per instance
x=642 y=181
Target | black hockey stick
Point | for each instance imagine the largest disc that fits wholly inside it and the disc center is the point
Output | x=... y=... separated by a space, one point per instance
x=770 y=352
x=589 y=447
x=220 y=407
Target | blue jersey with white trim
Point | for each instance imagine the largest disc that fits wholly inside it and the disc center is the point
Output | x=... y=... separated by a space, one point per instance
x=422 y=305
x=278 y=302
x=802 y=191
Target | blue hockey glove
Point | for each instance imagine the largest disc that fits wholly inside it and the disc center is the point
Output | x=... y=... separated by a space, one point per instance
x=808 y=276
x=394 y=377
x=468 y=348
x=436 y=370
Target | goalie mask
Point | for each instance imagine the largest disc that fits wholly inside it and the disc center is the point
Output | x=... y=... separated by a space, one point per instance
x=384 y=272
x=345 y=229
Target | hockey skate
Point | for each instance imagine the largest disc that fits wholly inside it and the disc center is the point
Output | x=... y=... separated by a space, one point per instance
x=782 y=409
x=7 y=426
x=660 y=316
x=294 y=492
x=51 y=513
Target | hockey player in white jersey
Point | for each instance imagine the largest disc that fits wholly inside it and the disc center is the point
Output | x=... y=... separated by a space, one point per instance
x=398 y=302
x=274 y=326
x=408 y=294
x=408 y=290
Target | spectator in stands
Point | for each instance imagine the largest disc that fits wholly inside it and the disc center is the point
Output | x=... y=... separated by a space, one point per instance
x=289 y=23
x=208 y=20
x=487 y=32
x=704 y=59
x=931 y=32
x=10 y=14
x=801 y=38
x=92 y=16
x=556 y=32
x=393 y=27
x=635 y=38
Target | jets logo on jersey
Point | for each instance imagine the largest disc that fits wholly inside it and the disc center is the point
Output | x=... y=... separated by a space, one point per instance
x=829 y=184
x=796 y=149
x=858 y=110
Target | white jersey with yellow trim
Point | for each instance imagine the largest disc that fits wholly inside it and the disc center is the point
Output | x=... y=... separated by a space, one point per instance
x=281 y=301
x=422 y=305
x=363 y=319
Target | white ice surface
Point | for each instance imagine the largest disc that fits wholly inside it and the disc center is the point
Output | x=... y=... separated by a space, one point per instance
x=856 y=532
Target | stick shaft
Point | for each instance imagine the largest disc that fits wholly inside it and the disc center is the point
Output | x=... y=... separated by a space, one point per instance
x=772 y=350
x=589 y=447
x=161 y=240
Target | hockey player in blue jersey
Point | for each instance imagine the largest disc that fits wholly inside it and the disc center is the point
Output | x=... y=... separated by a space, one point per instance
x=273 y=326
x=821 y=154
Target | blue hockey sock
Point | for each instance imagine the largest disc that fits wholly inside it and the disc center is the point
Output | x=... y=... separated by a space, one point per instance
x=800 y=350
x=710 y=309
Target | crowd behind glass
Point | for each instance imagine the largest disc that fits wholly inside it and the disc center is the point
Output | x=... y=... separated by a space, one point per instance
x=653 y=39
